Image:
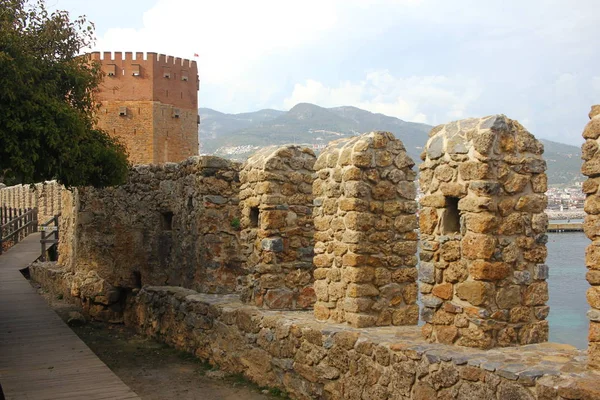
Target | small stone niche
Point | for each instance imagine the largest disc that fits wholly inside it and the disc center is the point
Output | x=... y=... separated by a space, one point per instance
x=482 y=275
x=254 y=217
x=365 y=232
x=166 y=220
x=450 y=221
x=591 y=169
x=277 y=228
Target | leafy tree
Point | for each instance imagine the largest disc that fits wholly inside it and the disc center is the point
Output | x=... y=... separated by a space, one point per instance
x=47 y=105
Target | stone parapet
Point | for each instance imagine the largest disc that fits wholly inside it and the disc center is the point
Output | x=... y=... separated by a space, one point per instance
x=169 y=223
x=46 y=197
x=483 y=245
x=310 y=359
x=365 y=238
x=277 y=228
x=591 y=227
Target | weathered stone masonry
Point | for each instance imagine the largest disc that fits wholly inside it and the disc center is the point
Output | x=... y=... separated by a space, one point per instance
x=277 y=228
x=317 y=360
x=46 y=197
x=591 y=169
x=365 y=250
x=169 y=224
x=214 y=246
x=483 y=235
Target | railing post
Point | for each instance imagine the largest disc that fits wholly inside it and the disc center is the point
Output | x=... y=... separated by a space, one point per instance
x=35 y=219
x=43 y=241
x=56 y=231
x=19 y=223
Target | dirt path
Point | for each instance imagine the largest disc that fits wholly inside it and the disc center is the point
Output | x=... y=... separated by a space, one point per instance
x=155 y=371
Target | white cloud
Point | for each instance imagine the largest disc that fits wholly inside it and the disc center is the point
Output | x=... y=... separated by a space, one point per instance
x=228 y=35
x=428 y=99
x=430 y=61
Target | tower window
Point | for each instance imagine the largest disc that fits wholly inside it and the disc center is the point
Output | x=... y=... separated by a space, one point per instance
x=451 y=218
x=135 y=70
x=254 y=217
x=166 y=220
x=110 y=69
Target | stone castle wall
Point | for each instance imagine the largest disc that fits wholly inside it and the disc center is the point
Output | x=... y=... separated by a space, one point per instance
x=365 y=250
x=46 y=197
x=482 y=271
x=317 y=360
x=591 y=168
x=197 y=226
x=277 y=228
x=169 y=224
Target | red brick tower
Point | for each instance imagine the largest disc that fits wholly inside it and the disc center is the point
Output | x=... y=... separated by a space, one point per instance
x=151 y=103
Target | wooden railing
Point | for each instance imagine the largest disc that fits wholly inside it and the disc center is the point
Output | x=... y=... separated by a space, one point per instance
x=49 y=231
x=15 y=224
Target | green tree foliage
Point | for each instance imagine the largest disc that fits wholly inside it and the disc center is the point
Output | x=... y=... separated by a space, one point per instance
x=47 y=101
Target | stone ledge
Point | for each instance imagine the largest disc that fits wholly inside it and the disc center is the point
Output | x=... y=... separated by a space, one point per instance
x=309 y=359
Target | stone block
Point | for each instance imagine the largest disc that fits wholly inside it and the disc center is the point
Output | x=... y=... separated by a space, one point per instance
x=593 y=296
x=541 y=272
x=473 y=292
x=478 y=246
x=361 y=290
x=272 y=244
x=488 y=271
x=536 y=294
x=592 y=129
x=428 y=220
x=444 y=291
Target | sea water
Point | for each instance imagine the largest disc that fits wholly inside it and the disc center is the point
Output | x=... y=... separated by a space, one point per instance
x=567 y=287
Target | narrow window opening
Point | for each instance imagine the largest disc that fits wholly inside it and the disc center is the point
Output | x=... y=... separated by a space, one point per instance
x=137 y=279
x=166 y=221
x=451 y=218
x=254 y=215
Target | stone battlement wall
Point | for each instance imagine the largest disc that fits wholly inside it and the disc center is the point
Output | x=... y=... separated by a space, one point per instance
x=155 y=77
x=318 y=360
x=591 y=168
x=45 y=196
x=169 y=224
x=483 y=241
x=277 y=228
x=140 y=56
x=230 y=231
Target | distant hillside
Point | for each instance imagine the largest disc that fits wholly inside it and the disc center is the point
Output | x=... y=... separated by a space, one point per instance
x=237 y=136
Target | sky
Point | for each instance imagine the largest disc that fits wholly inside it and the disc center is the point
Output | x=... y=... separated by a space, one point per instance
x=430 y=61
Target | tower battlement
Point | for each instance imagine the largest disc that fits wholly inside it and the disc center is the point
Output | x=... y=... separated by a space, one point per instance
x=117 y=56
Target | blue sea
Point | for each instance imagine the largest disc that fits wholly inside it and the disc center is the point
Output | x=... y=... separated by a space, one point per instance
x=567 y=286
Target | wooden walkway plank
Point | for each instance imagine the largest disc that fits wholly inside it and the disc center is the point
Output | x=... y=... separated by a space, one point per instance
x=40 y=356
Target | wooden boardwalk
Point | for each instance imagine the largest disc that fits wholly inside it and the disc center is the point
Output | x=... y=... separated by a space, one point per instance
x=40 y=356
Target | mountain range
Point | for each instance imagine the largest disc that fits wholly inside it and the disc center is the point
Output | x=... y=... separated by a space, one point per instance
x=237 y=136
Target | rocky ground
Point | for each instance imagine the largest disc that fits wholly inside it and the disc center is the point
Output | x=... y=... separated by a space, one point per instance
x=156 y=371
